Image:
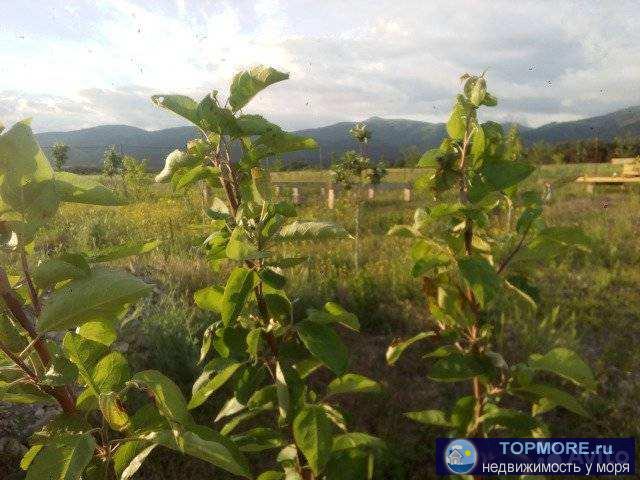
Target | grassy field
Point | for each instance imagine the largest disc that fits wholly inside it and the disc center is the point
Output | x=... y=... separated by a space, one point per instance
x=591 y=302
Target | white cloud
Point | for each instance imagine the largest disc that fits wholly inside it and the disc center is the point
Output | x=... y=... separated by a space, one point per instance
x=76 y=65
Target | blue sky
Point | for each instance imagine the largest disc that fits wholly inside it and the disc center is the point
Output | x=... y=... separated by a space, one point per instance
x=74 y=64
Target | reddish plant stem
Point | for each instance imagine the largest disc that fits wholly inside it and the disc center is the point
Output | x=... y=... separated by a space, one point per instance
x=35 y=301
x=63 y=395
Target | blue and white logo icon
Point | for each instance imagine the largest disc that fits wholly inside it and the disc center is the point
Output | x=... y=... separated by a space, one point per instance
x=460 y=456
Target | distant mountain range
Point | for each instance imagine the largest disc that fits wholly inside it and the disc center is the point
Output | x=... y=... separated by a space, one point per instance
x=389 y=138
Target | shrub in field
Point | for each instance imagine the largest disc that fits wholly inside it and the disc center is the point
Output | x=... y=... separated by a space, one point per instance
x=473 y=248
x=112 y=162
x=253 y=346
x=58 y=324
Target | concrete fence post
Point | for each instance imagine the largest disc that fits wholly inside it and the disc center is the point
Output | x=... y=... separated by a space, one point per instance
x=371 y=192
x=407 y=194
x=295 y=195
x=331 y=195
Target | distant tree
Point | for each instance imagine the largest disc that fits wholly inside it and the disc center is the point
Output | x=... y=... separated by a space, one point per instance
x=112 y=162
x=60 y=154
x=134 y=174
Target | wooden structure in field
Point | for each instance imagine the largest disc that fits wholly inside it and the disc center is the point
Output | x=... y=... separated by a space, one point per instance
x=630 y=175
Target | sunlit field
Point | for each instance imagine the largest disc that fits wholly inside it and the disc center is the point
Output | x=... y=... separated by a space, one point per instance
x=588 y=302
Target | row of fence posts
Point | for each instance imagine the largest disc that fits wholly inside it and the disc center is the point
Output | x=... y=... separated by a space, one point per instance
x=330 y=194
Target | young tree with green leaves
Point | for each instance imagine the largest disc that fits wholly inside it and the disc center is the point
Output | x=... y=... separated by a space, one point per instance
x=254 y=344
x=112 y=162
x=473 y=260
x=58 y=326
x=60 y=154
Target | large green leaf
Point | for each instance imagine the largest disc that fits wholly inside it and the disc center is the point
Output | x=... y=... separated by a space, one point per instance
x=459 y=366
x=100 y=295
x=481 y=277
x=396 y=349
x=353 y=383
x=63 y=459
x=430 y=417
x=205 y=390
x=556 y=397
x=27 y=193
x=128 y=459
x=184 y=106
x=206 y=444
x=121 y=251
x=240 y=247
x=167 y=395
x=111 y=372
x=324 y=344
x=236 y=292
x=312 y=231
x=246 y=84
x=84 y=354
x=258 y=439
x=83 y=189
x=197 y=173
x=209 y=298
x=313 y=434
x=274 y=142
x=64 y=267
x=457 y=123
x=334 y=313
x=565 y=363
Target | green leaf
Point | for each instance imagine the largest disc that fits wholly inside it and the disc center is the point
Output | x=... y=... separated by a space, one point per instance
x=515 y=422
x=98 y=296
x=246 y=84
x=121 y=251
x=456 y=125
x=179 y=104
x=252 y=125
x=206 y=444
x=236 y=292
x=22 y=393
x=430 y=417
x=430 y=158
x=556 y=397
x=112 y=412
x=55 y=270
x=167 y=395
x=29 y=456
x=258 y=439
x=197 y=173
x=271 y=475
x=489 y=100
x=272 y=278
x=240 y=247
x=459 y=366
x=396 y=349
x=565 y=363
x=84 y=354
x=63 y=459
x=205 y=390
x=313 y=434
x=129 y=458
x=102 y=332
x=481 y=277
x=213 y=118
x=74 y=188
x=250 y=378
x=111 y=372
x=476 y=88
x=325 y=344
x=209 y=298
x=311 y=231
x=350 y=440
x=27 y=191
x=352 y=383
x=478 y=142
x=334 y=313
x=274 y=142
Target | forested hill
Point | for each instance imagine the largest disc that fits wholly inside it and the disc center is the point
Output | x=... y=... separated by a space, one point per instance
x=389 y=137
